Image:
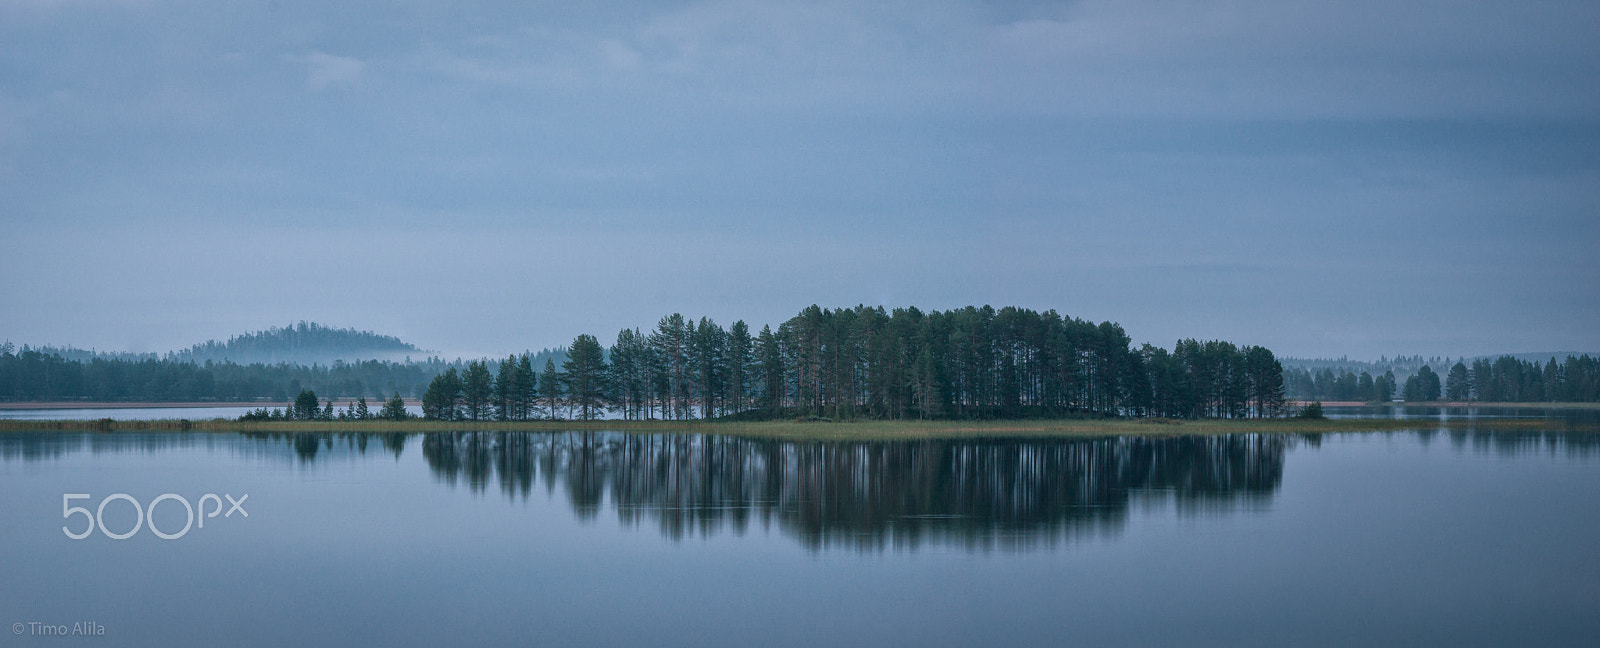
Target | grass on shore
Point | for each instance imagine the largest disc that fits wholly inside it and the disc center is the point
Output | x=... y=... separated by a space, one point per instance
x=823 y=430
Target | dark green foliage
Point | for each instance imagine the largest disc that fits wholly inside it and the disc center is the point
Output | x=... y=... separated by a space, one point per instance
x=1422 y=386
x=34 y=376
x=670 y=364
x=1458 y=385
x=477 y=391
x=1502 y=379
x=1507 y=379
x=443 y=399
x=741 y=366
x=629 y=368
x=261 y=414
x=550 y=383
x=394 y=409
x=527 y=386
x=968 y=363
x=514 y=389
x=306 y=406
x=505 y=389
x=1311 y=411
x=351 y=413
x=708 y=366
x=585 y=371
x=864 y=362
x=772 y=389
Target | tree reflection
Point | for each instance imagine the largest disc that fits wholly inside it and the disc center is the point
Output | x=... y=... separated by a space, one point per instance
x=1004 y=493
x=867 y=495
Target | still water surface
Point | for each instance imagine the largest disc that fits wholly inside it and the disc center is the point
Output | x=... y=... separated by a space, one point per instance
x=1457 y=537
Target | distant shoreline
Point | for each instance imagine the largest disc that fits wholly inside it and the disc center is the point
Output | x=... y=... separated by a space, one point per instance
x=827 y=431
x=417 y=402
x=47 y=405
x=1558 y=405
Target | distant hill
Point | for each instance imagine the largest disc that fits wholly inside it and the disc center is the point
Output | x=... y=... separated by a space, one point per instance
x=302 y=343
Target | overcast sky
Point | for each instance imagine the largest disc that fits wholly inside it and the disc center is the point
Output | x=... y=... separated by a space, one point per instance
x=1322 y=178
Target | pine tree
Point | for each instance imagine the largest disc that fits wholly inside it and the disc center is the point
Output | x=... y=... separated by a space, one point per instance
x=1266 y=380
x=1384 y=387
x=707 y=348
x=505 y=389
x=1457 y=385
x=585 y=371
x=550 y=386
x=394 y=409
x=741 y=362
x=527 y=388
x=477 y=390
x=772 y=372
x=441 y=401
x=305 y=406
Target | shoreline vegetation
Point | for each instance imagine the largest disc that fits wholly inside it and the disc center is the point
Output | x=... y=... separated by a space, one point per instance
x=346 y=402
x=869 y=430
x=848 y=364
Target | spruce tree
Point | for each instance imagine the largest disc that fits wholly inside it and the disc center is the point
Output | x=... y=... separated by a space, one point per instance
x=741 y=358
x=477 y=390
x=772 y=372
x=527 y=388
x=394 y=409
x=585 y=371
x=1458 y=385
x=441 y=401
x=550 y=386
x=505 y=389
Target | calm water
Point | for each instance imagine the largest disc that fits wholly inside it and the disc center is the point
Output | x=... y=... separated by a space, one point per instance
x=1466 y=414
x=1460 y=538
x=149 y=413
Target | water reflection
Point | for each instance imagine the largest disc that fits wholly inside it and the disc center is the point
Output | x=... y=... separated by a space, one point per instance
x=990 y=493
x=300 y=447
x=1558 y=417
x=867 y=495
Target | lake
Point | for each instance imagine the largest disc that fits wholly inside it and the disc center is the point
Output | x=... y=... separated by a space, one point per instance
x=150 y=413
x=592 y=538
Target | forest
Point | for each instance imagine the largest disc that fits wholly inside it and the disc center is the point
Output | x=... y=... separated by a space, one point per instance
x=862 y=362
x=36 y=376
x=1505 y=379
x=30 y=375
x=867 y=362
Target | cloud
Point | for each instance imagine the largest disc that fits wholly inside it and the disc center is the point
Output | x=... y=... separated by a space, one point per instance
x=324 y=70
x=1292 y=59
x=619 y=56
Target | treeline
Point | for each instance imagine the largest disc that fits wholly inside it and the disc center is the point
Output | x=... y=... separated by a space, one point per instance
x=867 y=362
x=1322 y=385
x=305 y=408
x=1401 y=366
x=1502 y=380
x=33 y=375
x=1509 y=380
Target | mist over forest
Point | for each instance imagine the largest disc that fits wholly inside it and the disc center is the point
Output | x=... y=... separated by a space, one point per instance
x=865 y=361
